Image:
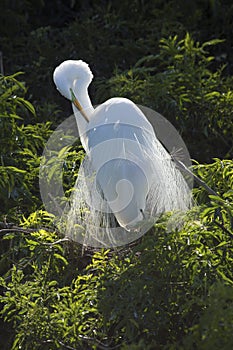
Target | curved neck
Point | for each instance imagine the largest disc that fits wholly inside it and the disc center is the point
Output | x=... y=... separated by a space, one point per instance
x=83 y=98
x=81 y=94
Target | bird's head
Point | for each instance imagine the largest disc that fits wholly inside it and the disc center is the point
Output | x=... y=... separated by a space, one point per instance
x=71 y=76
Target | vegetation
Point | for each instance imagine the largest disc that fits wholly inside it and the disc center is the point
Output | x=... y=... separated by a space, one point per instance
x=169 y=290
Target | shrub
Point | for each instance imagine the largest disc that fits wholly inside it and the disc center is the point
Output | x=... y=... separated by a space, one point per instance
x=179 y=83
x=160 y=293
x=22 y=142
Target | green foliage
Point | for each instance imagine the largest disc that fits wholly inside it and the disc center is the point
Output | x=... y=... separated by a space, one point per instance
x=22 y=141
x=179 y=83
x=214 y=330
x=218 y=175
x=105 y=34
x=186 y=77
x=217 y=209
x=162 y=293
x=171 y=290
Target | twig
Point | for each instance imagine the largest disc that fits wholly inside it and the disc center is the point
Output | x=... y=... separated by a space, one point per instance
x=66 y=346
x=17 y=229
x=92 y=340
x=59 y=241
x=22 y=230
x=183 y=167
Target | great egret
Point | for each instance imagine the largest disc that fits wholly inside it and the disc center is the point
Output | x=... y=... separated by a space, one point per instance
x=127 y=173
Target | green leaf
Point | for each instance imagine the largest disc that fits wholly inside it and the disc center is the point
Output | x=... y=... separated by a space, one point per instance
x=225 y=278
x=27 y=104
x=60 y=257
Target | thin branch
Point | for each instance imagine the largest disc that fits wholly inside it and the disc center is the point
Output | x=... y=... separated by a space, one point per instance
x=9 y=227
x=183 y=167
x=17 y=229
x=59 y=241
x=92 y=340
x=66 y=346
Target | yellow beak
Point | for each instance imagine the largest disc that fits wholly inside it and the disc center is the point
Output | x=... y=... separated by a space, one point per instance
x=78 y=105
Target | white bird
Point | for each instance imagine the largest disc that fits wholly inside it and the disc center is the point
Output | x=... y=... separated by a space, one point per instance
x=127 y=172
